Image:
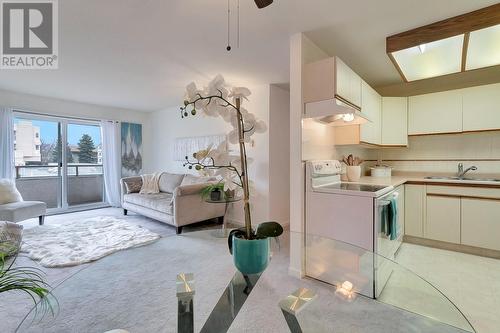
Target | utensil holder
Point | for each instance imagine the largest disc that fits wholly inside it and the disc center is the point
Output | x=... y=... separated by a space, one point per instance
x=353 y=172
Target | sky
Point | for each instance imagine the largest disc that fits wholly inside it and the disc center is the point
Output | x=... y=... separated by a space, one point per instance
x=48 y=131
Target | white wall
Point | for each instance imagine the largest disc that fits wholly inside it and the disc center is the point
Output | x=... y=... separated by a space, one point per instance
x=279 y=155
x=166 y=125
x=302 y=51
x=59 y=107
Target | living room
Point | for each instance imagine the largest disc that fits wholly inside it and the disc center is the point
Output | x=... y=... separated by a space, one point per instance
x=177 y=166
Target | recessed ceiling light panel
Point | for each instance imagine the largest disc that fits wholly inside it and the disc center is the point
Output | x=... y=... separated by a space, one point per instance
x=484 y=48
x=431 y=59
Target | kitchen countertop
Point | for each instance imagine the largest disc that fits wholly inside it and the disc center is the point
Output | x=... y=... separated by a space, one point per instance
x=400 y=178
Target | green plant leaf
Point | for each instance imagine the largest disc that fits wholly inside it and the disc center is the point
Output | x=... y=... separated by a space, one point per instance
x=269 y=229
x=26 y=279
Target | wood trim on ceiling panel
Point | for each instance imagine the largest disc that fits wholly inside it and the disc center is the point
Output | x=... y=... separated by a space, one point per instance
x=465 y=47
x=400 y=71
x=460 y=80
x=458 y=25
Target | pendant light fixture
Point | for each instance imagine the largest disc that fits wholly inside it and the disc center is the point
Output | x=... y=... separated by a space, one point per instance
x=260 y=4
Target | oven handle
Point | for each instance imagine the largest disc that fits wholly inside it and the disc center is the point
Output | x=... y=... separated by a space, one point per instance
x=384 y=202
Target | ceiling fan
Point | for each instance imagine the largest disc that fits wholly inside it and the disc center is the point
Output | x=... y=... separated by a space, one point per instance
x=260 y=4
x=263 y=3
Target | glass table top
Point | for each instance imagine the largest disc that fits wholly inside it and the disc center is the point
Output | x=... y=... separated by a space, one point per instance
x=135 y=290
x=223 y=200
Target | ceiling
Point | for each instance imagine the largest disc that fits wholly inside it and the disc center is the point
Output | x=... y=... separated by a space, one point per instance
x=141 y=54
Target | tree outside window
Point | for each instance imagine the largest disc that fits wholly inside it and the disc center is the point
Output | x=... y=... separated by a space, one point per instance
x=87 y=150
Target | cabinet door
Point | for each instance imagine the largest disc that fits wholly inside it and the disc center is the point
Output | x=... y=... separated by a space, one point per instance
x=443 y=218
x=371 y=106
x=481 y=108
x=435 y=113
x=394 y=121
x=355 y=89
x=342 y=79
x=414 y=210
x=481 y=223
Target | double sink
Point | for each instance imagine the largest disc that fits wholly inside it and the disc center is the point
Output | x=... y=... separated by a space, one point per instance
x=464 y=179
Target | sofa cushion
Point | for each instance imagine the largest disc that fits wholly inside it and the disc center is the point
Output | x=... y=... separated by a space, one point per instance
x=192 y=179
x=9 y=192
x=23 y=210
x=161 y=202
x=169 y=181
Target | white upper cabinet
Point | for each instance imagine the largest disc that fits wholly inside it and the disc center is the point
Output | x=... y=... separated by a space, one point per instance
x=348 y=83
x=481 y=108
x=330 y=78
x=435 y=113
x=371 y=104
x=394 y=121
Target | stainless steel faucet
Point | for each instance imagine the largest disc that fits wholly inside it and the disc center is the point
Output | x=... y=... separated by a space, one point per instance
x=461 y=172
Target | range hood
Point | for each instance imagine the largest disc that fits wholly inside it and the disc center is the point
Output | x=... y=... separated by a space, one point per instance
x=335 y=112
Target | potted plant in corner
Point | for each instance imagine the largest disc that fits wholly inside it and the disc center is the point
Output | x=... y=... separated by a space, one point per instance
x=249 y=246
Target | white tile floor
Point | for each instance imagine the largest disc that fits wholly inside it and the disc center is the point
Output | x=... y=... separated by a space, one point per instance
x=471 y=282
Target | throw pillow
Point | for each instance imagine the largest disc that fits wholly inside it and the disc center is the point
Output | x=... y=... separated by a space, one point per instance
x=9 y=192
x=150 y=184
x=192 y=179
x=133 y=185
x=170 y=181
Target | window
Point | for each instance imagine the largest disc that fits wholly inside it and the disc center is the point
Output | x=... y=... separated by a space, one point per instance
x=57 y=160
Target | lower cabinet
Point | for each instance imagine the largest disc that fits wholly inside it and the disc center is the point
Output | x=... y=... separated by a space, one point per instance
x=460 y=215
x=401 y=207
x=414 y=210
x=442 y=221
x=481 y=223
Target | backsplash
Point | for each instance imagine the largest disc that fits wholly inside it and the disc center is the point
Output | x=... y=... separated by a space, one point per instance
x=428 y=153
x=442 y=153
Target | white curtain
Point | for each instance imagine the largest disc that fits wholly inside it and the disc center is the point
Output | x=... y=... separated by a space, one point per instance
x=111 y=161
x=6 y=143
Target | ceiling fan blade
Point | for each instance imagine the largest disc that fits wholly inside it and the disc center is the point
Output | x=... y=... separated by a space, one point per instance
x=263 y=3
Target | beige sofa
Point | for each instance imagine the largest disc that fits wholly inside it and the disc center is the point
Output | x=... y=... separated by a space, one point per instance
x=179 y=202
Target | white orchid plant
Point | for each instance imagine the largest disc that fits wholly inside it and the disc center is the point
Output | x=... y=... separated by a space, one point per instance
x=218 y=100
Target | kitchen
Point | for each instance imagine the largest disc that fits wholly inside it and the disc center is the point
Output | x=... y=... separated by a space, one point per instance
x=438 y=136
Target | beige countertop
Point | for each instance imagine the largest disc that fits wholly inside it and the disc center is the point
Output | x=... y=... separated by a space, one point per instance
x=400 y=178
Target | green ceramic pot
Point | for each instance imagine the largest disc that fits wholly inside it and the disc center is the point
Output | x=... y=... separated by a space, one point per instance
x=250 y=256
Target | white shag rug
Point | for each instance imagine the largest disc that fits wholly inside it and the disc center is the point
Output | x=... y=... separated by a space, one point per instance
x=82 y=241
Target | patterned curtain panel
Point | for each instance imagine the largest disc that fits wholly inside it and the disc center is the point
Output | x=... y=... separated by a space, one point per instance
x=187 y=146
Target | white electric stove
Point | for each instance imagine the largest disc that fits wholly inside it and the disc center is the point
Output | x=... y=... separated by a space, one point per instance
x=325 y=176
x=349 y=214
